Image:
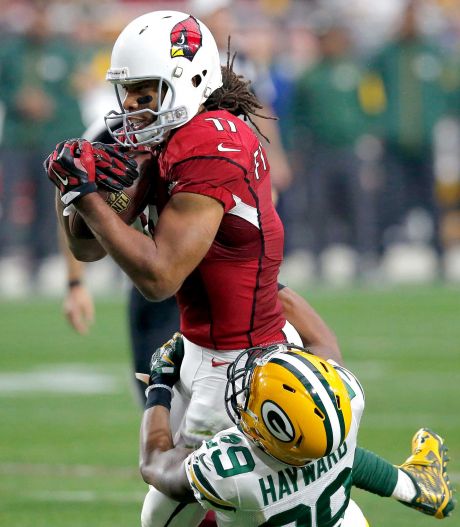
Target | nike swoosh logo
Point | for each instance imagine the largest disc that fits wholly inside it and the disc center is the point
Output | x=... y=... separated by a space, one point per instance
x=215 y=363
x=222 y=148
x=63 y=181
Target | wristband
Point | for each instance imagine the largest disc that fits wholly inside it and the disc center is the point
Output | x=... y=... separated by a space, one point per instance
x=73 y=283
x=158 y=395
x=74 y=194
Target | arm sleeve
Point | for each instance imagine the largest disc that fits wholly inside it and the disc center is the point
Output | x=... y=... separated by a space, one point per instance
x=373 y=473
x=216 y=177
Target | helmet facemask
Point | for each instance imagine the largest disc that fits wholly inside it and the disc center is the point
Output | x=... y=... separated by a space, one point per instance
x=239 y=376
x=165 y=117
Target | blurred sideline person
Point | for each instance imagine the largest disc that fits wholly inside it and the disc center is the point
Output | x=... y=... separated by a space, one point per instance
x=219 y=252
x=40 y=98
x=329 y=123
x=411 y=72
x=280 y=464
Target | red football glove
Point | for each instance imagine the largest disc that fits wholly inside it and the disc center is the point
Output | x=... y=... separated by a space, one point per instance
x=115 y=169
x=72 y=168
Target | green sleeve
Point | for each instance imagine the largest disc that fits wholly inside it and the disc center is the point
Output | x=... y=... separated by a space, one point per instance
x=373 y=473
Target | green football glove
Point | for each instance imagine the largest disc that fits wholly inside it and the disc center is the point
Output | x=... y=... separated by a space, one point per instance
x=165 y=371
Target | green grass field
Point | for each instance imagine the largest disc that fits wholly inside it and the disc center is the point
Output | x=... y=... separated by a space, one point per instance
x=69 y=418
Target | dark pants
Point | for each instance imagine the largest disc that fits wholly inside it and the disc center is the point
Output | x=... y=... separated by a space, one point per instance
x=339 y=205
x=151 y=324
x=409 y=184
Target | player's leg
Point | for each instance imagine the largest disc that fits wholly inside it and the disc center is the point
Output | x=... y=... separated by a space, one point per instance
x=421 y=482
x=150 y=325
x=160 y=511
x=354 y=517
x=204 y=376
x=427 y=469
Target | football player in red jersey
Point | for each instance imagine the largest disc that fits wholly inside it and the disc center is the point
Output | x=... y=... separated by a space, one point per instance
x=218 y=242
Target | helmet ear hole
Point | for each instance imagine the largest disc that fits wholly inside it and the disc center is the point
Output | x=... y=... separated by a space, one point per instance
x=196 y=80
x=204 y=73
x=337 y=398
x=319 y=414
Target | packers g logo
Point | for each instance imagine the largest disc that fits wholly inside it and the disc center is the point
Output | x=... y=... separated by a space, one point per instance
x=186 y=39
x=277 y=422
x=118 y=201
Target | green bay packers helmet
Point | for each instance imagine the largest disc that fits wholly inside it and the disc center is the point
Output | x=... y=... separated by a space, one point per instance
x=293 y=404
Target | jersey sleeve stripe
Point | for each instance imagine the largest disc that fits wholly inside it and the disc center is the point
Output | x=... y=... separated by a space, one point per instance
x=245 y=211
x=350 y=380
x=206 y=489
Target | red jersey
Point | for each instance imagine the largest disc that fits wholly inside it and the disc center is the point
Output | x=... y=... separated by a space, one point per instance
x=230 y=301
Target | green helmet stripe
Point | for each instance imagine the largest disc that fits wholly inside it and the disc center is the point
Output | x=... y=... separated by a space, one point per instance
x=327 y=387
x=333 y=440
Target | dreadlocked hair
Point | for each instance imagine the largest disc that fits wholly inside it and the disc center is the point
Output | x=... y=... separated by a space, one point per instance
x=235 y=95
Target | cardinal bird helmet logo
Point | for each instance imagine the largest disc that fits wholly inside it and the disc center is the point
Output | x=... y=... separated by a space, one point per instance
x=186 y=38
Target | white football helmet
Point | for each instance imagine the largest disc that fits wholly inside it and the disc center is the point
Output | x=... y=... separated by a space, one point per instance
x=177 y=50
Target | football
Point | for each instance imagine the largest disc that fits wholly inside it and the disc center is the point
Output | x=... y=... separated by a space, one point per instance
x=127 y=203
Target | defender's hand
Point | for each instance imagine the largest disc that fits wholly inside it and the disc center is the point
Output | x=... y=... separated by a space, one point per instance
x=166 y=362
x=165 y=372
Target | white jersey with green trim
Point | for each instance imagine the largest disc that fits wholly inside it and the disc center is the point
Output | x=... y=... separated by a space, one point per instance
x=247 y=488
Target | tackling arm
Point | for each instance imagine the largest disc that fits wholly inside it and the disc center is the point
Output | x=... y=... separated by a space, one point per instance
x=161 y=464
x=314 y=332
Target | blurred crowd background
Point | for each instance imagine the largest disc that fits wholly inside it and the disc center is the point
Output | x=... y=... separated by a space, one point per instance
x=365 y=155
